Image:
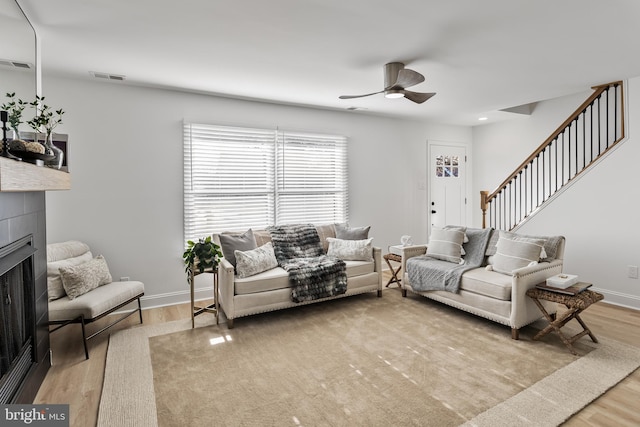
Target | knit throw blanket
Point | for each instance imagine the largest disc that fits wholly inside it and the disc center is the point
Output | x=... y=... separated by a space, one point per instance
x=312 y=274
x=429 y=274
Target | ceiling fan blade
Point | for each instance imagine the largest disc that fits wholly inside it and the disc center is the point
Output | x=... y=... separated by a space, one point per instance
x=407 y=78
x=358 y=96
x=417 y=97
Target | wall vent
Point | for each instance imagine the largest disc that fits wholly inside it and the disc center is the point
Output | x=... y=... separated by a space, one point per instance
x=107 y=76
x=16 y=64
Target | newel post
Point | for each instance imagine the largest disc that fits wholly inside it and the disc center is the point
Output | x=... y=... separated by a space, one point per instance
x=483 y=206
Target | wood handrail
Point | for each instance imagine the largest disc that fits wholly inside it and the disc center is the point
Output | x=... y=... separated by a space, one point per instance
x=486 y=197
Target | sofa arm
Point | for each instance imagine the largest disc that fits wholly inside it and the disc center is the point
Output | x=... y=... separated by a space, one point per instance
x=522 y=307
x=410 y=252
x=377 y=258
x=226 y=287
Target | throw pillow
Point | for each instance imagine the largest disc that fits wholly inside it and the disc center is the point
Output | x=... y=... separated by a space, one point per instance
x=80 y=279
x=232 y=242
x=446 y=245
x=252 y=262
x=54 y=279
x=344 y=232
x=514 y=252
x=350 y=250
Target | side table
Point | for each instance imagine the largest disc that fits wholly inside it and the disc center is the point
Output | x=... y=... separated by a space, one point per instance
x=575 y=304
x=394 y=272
x=211 y=308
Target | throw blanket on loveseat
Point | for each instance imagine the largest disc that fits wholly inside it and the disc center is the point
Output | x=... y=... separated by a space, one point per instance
x=312 y=274
x=429 y=274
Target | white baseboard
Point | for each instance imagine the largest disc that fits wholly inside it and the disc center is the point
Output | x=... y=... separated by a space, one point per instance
x=619 y=298
x=173 y=298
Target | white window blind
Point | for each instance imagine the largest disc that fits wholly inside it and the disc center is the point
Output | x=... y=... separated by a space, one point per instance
x=240 y=178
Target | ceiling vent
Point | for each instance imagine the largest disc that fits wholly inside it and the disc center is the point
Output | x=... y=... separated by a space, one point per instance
x=16 y=64
x=107 y=76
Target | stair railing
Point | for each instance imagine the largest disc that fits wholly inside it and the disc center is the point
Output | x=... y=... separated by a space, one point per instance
x=590 y=132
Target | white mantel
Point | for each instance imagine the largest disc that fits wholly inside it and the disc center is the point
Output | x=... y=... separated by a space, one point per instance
x=22 y=176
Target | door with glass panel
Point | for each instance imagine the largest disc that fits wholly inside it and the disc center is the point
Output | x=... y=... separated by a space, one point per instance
x=447 y=189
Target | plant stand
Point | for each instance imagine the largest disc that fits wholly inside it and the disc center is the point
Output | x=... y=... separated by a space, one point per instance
x=211 y=308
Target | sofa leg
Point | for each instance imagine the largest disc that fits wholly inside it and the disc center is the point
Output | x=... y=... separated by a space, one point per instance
x=379 y=293
x=515 y=333
x=230 y=323
x=404 y=292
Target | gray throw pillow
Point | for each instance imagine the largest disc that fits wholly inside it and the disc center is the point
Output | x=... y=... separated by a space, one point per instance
x=344 y=232
x=231 y=242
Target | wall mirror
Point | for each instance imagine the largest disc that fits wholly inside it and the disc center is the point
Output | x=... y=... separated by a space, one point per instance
x=17 y=55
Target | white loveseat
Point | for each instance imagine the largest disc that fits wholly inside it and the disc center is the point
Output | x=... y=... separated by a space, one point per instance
x=270 y=290
x=496 y=296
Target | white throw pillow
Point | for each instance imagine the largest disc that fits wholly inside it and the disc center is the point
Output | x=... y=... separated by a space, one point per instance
x=54 y=279
x=254 y=261
x=80 y=279
x=446 y=244
x=514 y=252
x=350 y=250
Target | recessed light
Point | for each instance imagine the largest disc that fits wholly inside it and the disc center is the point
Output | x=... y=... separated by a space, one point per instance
x=483 y=118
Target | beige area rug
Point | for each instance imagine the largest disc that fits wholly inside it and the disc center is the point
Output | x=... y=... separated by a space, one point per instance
x=356 y=361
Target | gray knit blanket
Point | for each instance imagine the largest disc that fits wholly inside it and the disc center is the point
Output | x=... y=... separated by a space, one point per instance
x=312 y=274
x=429 y=274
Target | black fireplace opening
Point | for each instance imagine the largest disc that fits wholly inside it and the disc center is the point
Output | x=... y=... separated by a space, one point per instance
x=17 y=311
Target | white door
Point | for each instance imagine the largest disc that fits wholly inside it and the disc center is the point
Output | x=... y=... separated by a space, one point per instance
x=447 y=189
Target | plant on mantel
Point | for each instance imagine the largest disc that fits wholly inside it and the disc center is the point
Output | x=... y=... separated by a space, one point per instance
x=14 y=108
x=45 y=119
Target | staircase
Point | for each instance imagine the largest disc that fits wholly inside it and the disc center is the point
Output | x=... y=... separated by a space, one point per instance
x=587 y=135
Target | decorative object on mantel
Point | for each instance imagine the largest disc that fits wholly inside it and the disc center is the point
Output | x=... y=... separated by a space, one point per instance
x=44 y=122
x=4 y=117
x=14 y=108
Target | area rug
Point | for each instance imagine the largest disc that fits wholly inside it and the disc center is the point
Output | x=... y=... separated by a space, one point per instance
x=360 y=360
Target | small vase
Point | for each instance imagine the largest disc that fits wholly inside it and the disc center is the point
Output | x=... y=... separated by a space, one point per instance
x=16 y=134
x=58 y=154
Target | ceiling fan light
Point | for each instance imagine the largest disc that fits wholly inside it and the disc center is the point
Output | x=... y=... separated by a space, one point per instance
x=392 y=94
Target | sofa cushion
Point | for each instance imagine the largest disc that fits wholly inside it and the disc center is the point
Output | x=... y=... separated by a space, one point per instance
x=254 y=261
x=446 y=244
x=324 y=232
x=487 y=283
x=350 y=250
x=231 y=242
x=514 y=252
x=344 y=232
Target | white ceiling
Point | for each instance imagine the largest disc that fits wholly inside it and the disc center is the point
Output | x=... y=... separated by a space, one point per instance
x=479 y=56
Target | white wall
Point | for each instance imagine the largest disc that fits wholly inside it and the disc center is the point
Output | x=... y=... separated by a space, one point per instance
x=126 y=165
x=597 y=214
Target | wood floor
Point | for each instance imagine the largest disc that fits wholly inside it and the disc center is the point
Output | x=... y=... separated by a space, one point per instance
x=78 y=382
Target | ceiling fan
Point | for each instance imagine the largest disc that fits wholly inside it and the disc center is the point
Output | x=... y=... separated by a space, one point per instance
x=396 y=81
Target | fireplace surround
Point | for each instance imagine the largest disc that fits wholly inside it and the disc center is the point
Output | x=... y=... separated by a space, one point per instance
x=23 y=249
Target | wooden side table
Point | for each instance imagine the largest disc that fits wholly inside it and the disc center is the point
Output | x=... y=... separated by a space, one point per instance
x=211 y=308
x=394 y=272
x=575 y=304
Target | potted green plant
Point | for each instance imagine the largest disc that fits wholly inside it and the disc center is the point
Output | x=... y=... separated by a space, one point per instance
x=203 y=255
x=14 y=108
x=44 y=122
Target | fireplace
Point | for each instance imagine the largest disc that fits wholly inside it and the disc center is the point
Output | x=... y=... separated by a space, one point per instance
x=24 y=331
x=17 y=310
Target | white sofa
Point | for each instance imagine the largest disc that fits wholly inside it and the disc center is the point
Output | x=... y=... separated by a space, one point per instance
x=492 y=295
x=270 y=290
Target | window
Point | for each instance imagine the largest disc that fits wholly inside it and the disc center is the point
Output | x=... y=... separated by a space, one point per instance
x=240 y=178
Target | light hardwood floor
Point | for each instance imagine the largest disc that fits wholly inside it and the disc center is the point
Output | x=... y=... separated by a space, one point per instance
x=78 y=382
